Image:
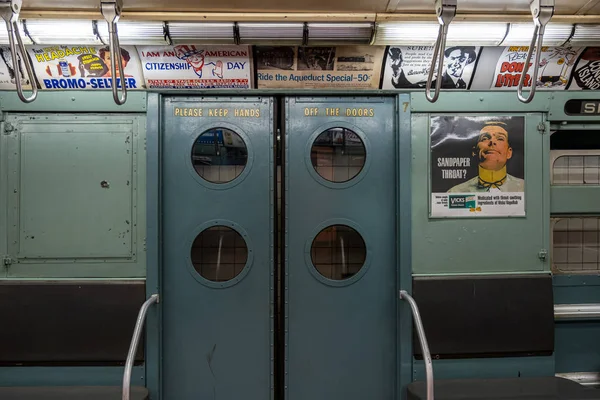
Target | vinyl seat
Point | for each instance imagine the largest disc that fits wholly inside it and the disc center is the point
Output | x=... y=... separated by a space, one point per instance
x=544 y=388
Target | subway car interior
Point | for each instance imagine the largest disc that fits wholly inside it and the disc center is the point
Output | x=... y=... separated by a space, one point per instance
x=300 y=200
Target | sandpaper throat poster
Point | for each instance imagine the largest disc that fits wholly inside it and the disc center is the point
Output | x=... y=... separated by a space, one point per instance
x=477 y=166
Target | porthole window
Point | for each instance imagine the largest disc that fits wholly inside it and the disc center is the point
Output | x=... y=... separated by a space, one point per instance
x=338 y=252
x=338 y=154
x=219 y=155
x=219 y=254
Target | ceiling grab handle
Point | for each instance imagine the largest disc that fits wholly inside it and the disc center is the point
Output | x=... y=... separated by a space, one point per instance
x=445 y=11
x=10 y=12
x=111 y=10
x=542 y=11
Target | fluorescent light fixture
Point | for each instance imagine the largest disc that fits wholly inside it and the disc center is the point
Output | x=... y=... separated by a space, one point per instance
x=135 y=32
x=520 y=34
x=271 y=33
x=53 y=31
x=4 y=34
x=201 y=32
x=339 y=33
x=425 y=34
x=585 y=35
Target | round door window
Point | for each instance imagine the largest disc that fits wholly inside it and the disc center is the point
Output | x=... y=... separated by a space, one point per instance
x=338 y=252
x=338 y=154
x=219 y=253
x=219 y=155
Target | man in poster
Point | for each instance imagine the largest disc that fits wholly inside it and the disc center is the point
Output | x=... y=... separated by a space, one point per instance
x=399 y=80
x=493 y=151
x=455 y=61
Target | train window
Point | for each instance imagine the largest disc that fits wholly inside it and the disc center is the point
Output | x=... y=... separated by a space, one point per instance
x=338 y=154
x=576 y=245
x=219 y=155
x=338 y=252
x=219 y=253
x=576 y=167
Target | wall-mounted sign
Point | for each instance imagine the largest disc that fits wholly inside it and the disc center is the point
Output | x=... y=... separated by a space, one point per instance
x=196 y=67
x=584 y=108
x=408 y=67
x=586 y=74
x=342 y=67
x=7 y=71
x=83 y=67
x=477 y=166
x=554 y=72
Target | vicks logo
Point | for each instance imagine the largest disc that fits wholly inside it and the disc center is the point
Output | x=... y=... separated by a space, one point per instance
x=462 y=201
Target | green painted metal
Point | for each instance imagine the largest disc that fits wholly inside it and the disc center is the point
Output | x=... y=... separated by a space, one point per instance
x=153 y=272
x=76 y=195
x=573 y=200
x=478 y=102
x=3 y=199
x=487 y=368
x=404 y=244
x=68 y=376
x=557 y=105
x=478 y=245
x=216 y=336
x=341 y=334
x=577 y=348
x=74 y=101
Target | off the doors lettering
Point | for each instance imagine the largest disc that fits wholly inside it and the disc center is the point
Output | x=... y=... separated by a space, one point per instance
x=338 y=112
x=217 y=112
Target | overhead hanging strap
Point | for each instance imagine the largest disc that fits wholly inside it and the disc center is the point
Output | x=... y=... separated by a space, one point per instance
x=445 y=11
x=111 y=10
x=10 y=12
x=542 y=11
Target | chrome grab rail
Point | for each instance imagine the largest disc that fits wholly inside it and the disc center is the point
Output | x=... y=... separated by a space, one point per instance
x=576 y=311
x=424 y=346
x=134 y=344
x=10 y=13
x=541 y=11
x=111 y=10
x=445 y=10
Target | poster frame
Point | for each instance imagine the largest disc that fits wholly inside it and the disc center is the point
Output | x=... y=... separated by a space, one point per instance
x=490 y=114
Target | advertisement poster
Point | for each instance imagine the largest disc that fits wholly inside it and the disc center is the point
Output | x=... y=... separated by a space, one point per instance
x=477 y=166
x=7 y=71
x=342 y=67
x=556 y=64
x=196 y=67
x=408 y=67
x=586 y=74
x=83 y=67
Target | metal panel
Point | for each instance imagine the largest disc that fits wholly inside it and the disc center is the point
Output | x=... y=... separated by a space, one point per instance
x=217 y=335
x=154 y=253
x=341 y=333
x=83 y=169
x=574 y=200
x=73 y=101
x=451 y=246
x=404 y=249
x=68 y=376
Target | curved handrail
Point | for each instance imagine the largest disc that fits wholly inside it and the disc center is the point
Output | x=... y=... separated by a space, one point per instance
x=10 y=13
x=111 y=12
x=134 y=344
x=445 y=10
x=542 y=13
x=424 y=346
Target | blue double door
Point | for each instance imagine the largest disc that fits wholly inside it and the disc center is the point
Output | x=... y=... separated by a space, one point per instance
x=279 y=272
